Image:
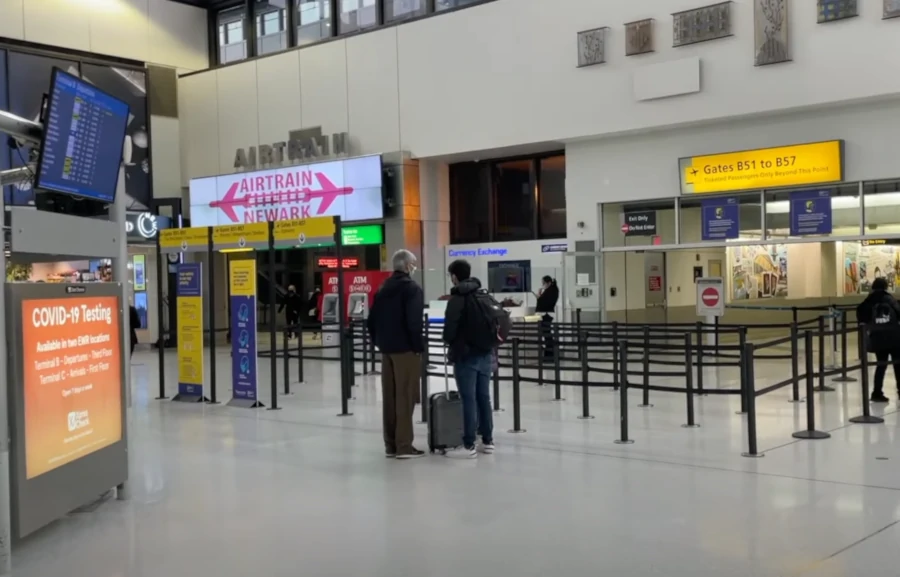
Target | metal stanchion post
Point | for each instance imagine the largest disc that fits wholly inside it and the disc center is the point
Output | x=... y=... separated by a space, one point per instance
x=844 y=378
x=273 y=336
x=623 y=399
x=557 y=395
x=689 y=381
x=300 y=356
x=834 y=345
x=810 y=432
x=822 y=388
x=753 y=450
x=645 y=402
x=423 y=388
x=211 y=311
x=540 y=359
x=346 y=372
x=742 y=339
x=373 y=371
x=496 y=383
x=517 y=415
x=352 y=348
x=161 y=334
x=287 y=365
x=867 y=418
x=717 y=335
x=616 y=353
x=795 y=369
x=585 y=377
x=700 y=359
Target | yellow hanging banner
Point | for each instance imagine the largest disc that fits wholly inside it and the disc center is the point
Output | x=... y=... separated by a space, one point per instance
x=191 y=239
x=252 y=235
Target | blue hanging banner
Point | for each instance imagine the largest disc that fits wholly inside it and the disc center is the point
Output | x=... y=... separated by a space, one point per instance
x=721 y=218
x=244 y=382
x=810 y=212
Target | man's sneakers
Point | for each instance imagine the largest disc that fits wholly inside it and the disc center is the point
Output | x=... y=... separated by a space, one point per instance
x=879 y=398
x=486 y=448
x=462 y=453
x=411 y=454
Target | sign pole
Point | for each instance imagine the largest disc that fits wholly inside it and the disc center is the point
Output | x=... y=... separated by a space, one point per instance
x=160 y=334
x=273 y=339
x=211 y=311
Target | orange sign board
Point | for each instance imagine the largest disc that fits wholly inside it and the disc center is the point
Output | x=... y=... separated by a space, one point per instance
x=73 y=379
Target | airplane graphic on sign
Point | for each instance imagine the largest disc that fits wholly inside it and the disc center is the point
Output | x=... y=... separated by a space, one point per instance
x=282 y=198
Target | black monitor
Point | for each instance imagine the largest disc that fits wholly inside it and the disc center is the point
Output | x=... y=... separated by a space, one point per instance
x=84 y=133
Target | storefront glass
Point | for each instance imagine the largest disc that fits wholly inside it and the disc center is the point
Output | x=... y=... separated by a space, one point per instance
x=639 y=223
x=816 y=212
x=721 y=218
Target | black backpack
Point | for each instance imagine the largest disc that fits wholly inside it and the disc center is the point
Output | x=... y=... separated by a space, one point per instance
x=884 y=325
x=490 y=322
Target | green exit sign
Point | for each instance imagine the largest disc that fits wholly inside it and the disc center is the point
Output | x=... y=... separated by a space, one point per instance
x=364 y=234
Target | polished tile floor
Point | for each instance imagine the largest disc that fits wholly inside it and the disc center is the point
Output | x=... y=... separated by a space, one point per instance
x=235 y=492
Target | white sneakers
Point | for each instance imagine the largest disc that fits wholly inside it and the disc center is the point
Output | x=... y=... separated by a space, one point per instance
x=464 y=453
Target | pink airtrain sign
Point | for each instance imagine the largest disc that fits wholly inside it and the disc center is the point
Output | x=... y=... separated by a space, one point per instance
x=348 y=188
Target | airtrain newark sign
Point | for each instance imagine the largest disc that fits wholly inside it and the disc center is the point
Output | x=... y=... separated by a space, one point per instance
x=303 y=145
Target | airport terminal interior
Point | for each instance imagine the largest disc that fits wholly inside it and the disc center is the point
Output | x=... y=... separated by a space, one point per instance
x=202 y=199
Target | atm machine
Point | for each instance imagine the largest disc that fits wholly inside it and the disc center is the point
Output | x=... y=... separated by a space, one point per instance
x=331 y=320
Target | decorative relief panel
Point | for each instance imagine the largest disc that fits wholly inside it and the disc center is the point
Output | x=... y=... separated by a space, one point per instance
x=770 y=24
x=832 y=10
x=639 y=37
x=701 y=24
x=592 y=47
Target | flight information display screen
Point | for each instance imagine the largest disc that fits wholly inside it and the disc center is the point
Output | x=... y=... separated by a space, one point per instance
x=84 y=132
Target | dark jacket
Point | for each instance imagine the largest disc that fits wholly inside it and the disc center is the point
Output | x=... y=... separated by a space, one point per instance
x=395 y=319
x=546 y=303
x=459 y=319
x=293 y=302
x=134 y=323
x=865 y=308
x=883 y=339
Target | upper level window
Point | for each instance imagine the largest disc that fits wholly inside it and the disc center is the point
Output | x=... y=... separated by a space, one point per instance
x=356 y=15
x=231 y=36
x=448 y=4
x=514 y=200
x=402 y=9
x=552 y=197
x=270 y=34
x=313 y=21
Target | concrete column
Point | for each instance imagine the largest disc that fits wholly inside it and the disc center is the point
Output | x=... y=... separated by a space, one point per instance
x=434 y=192
x=403 y=219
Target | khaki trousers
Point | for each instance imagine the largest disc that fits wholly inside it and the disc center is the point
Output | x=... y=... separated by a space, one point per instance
x=400 y=374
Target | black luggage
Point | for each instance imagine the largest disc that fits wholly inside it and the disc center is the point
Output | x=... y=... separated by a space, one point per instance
x=445 y=418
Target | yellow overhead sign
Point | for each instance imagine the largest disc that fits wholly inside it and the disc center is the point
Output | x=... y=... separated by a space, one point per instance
x=184 y=239
x=305 y=232
x=798 y=165
x=253 y=235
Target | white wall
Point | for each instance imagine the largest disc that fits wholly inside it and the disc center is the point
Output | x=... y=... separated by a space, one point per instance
x=503 y=75
x=645 y=166
x=155 y=31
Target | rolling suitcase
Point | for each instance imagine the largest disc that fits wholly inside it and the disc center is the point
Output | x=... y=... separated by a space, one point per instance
x=445 y=418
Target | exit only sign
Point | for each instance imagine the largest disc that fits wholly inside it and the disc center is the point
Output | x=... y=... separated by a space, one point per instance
x=363 y=234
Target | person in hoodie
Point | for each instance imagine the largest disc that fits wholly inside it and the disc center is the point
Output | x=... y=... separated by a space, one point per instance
x=395 y=325
x=293 y=302
x=472 y=360
x=880 y=312
x=546 y=306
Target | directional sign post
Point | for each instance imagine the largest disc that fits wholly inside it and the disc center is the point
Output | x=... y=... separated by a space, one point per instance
x=174 y=240
x=241 y=236
x=304 y=233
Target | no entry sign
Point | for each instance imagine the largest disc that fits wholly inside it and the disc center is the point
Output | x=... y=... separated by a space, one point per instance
x=710 y=297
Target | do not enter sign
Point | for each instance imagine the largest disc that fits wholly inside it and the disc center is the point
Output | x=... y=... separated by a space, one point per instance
x=710 y=297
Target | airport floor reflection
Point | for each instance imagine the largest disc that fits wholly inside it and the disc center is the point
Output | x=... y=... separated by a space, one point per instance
x=234 y=492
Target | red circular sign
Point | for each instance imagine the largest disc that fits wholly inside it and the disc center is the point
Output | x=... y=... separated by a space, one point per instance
x=710 y=296
x=625 y=228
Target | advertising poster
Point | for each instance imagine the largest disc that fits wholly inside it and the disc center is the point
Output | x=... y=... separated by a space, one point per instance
x=73 y=379
x=242 y=285
x=810 y=212
x=758 y=271
x=190 y=330
x=866 y=261
x=139 y=269
x=721 y=218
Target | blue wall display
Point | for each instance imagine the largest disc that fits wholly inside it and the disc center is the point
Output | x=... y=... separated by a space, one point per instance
x=810 y=212
x=721 y=218
x=509 y=276
x=242 y=287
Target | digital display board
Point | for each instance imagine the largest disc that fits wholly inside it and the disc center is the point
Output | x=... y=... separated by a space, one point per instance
x=332 y=262
x=84 y=134
x=364 y=234
x=71 y=351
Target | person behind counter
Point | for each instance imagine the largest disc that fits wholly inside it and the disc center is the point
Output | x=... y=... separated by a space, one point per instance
x=546 y=307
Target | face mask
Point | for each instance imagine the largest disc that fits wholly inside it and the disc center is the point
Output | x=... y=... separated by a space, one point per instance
x=412 y=269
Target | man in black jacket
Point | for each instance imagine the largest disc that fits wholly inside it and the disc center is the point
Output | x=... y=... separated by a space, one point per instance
x=546 y=306
x=293 y=303
x=395 y=324
x=472 y=360
x=880 y=312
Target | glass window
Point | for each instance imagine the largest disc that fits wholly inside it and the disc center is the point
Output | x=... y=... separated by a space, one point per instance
x=811 y=212
x=356 y=15
x=314 y=21
x=721 y=218
x=639 y=223
x=402 y=9
x=448 y=4
x=552 y=197
x=231 y=36
x=882 y=207
x=470 y=197
x=270 y=34
x=514 y=195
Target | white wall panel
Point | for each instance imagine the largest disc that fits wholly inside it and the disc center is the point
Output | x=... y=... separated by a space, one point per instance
x=278 y=90
x=237 y=108
x=372 y=92
x=323 y=87
x=645 y=166
x=58 y=23
x=178 y=35
x=198 y=114
x=12 y=19
x=121 y=28
x=166 y=153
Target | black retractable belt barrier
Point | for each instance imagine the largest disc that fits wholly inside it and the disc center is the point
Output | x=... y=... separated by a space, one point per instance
x=843 y=378
x=423 y=385
x=810 y=432
x=750 y=394
x=287 y=363
x=365 y=350
x=689 y=382
x=372 y=353
x=742 y=338
x=496 y=379
x=795 y=370
x=645 y=402
x=557 y=395
x=347 y=372
x=517 y=415
x=623 y=397
x=273 y=334
x=300 y=378
x=585 y=377
x=700 y=358
x=540 y=354
x=822 y=388
x=616 y=352
x=352 y=349
x=867 y=418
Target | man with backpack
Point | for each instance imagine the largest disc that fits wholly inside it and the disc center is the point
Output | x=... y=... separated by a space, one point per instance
x=880 y=312
x=474 y=325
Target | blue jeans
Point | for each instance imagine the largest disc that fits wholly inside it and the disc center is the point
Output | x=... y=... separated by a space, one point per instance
x=473 y=379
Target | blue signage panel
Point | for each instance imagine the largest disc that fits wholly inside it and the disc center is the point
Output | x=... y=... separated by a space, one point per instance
x=721 y=218
x=189 y=306
x=563 y=247
x=243 y=347
x=810 y=212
